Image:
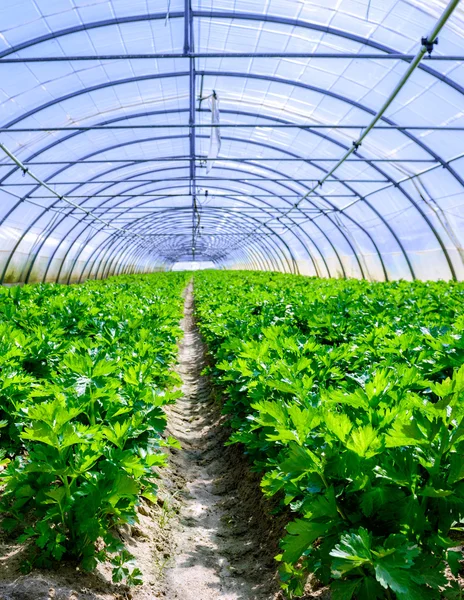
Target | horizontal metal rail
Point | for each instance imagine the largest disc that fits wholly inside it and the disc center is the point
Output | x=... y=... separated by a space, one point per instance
x=189 y=55
x=180 y=195
x=205 y=178
x=109 y=161
x=228 y=126
x=144 y=208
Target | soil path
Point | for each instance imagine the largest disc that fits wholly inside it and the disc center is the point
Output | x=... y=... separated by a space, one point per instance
x=217 y=553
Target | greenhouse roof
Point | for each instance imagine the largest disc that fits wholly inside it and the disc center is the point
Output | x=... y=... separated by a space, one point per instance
x=324 y=137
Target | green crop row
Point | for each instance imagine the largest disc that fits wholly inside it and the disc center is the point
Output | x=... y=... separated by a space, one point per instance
x=84 y=373
x=349 y=397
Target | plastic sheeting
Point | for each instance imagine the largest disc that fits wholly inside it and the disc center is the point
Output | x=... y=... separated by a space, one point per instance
x=127 y=138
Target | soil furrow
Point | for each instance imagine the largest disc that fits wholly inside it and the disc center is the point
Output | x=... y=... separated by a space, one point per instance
x=222 y=541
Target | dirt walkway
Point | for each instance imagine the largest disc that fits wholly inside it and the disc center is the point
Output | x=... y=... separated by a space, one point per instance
x=218 y=553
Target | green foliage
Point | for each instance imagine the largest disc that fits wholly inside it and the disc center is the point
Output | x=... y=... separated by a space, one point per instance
x=349 y=397
x=84 y=374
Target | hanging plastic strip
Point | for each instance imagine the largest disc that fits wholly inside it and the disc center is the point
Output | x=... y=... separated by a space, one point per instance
x=215 y=138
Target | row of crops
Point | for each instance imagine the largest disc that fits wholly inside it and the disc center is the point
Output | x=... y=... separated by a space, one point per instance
x=85 y=372
x=349 y=397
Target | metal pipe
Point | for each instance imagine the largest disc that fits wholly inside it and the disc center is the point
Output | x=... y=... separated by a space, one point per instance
x=228 y=125
x=370 y=237
x=411 y=68
x=272 y=171
x=225 y=159
x=193 y=55
x=56 y=194
x=199 y=177
x=431 y=37
x=180 y=195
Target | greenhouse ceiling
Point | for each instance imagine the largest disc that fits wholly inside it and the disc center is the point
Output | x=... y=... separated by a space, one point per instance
x=322 y=137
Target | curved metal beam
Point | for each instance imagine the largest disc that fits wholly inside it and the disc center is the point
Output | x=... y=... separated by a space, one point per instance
x=304 y=232
x=272 y=253
x=348 y=187
x=261 y=18
x=312 y=88
x=107 y=242
x=297 y=236
x=160 y=199
x=248 y=218
x=229 y=212
x=258 y=259
x=305 y=187
x=222 y=188
x=54 y=204
x=109 y=252
x=258 y=256
x=235 y=15
x=257 y=206
x=263 y=145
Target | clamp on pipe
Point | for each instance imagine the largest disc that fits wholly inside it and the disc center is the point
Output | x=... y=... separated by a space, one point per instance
x=429 y=45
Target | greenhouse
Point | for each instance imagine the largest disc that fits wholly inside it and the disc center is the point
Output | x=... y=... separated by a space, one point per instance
x=318 y=138
x=231 y=299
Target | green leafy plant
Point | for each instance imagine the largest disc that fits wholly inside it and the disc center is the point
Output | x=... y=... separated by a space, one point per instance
x=349 y=397
x=84 y=376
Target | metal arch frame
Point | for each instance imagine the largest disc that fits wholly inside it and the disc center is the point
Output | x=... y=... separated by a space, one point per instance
x=237 y=15
x=274 y=257
x=144 y=184
x=229 y=212
x=54 y=204
x=248 y=260
x=260 y=144
x=332 y=222
x=124 y=258
x=258 y=207
x=224 y=188
x=242 y=201
x=349 y=187
x=260 y=259
x=127 y=180
x=263 y=168
x=141 y=185
x=112 y=255
x=110 y=238
x=257 y=255
x=252 y=262
x=304 y=86
x=261 y=18
x=303 y=231
x=333 y=206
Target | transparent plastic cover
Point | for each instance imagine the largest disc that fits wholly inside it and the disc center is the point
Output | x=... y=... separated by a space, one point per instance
x=161 y=147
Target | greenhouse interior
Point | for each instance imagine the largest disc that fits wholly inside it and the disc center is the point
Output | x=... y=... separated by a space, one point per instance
x=232 y=299
x=318 y=138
